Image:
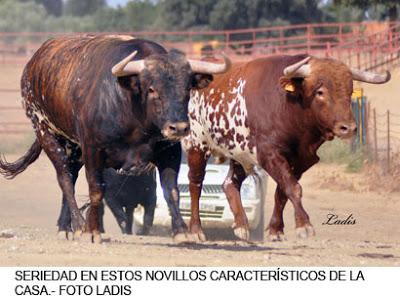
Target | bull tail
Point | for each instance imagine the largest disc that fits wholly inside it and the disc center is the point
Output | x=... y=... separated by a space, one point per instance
x=10 y=170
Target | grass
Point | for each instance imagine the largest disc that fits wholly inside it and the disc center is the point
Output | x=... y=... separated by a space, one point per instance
x=340 y=152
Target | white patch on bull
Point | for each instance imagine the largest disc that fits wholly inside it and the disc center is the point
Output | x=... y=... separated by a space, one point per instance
x=34 y=111
x=207 y=132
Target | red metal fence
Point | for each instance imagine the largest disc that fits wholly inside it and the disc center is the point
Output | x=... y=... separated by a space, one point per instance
x=318 y=39
x=379 y=50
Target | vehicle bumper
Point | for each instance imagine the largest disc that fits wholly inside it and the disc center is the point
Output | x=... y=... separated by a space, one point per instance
x=212 y=214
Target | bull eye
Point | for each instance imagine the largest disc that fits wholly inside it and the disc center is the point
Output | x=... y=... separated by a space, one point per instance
x=151 y=90
x=320 y=93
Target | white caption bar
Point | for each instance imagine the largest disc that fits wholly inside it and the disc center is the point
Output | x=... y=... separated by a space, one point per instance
x=197 y=283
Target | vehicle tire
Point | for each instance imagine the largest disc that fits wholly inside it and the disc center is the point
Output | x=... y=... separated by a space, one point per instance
x=257 y=234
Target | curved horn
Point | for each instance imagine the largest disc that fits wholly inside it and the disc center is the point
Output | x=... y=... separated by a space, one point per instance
x=370 y=77
x=199 y=66
x=127 y=67
x=299 y=69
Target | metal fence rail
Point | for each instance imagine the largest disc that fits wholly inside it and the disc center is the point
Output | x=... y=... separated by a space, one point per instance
x=384 y=137
x=319 y=39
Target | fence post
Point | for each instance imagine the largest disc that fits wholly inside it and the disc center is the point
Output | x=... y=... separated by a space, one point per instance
x=328 y=49
x=367 y=130
x=388 y=141
x=375 y=139
x=227 y=40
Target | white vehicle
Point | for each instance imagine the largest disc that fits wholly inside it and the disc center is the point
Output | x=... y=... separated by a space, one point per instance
x=214 y=207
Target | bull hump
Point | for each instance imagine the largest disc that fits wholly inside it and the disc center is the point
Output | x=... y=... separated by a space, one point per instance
x=218 y=120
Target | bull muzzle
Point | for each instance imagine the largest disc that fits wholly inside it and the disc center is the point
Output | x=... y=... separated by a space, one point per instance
x=175 y=131
x=345 y=130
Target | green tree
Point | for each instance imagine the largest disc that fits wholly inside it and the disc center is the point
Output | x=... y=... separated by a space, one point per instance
x=391 y=7
x=141 y=14
x=83 y=8
x=53 y=7
x=109 y=19
x=21 y=16
x=177 y=14
x=231 y=14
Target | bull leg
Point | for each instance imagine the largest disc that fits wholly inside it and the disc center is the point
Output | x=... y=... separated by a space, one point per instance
x=64 y=220
x=118 y=212
x=129 y=219
x=94 y=176
x=101 y=217
x=276 y=224
x=168 y=161
x=74 y=165
x=232 y=184
x=148 y=217
x=168 y=178
x=60 y=160
x=197 y=161
x=279 y=169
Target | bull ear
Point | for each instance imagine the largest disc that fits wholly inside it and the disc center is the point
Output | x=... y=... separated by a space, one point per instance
x=292 y=86
x=131 y=83
x=201 y=81
x=295 y=91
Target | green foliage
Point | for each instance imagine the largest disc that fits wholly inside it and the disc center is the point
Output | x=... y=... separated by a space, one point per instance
x=386 y=9
x=140 y=15
x=232 y=14
x=339 y=152
x=21 y=16
x=53 y=7
x=82 y=8
x=137 y=15
x=342 y=13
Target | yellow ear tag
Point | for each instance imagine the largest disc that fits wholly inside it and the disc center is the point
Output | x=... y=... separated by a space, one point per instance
x=289 y=87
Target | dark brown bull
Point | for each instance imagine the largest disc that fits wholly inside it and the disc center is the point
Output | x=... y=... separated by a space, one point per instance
x=109 y=101
x=275 y=113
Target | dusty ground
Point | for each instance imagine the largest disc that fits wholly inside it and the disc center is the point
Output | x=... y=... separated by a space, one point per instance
x=29 y=207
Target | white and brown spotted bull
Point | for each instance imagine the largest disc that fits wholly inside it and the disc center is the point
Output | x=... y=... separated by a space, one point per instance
x=274 y=113
x=109 y=102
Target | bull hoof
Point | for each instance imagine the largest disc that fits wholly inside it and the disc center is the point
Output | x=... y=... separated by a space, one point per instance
x=242 y=233
x=198 y=237
x=77 y=235
x=62 y=235
x=142 y=231
x=182 y=238
x=305 y=232
x=97 y=238
x=87 y=237
x=276 y=236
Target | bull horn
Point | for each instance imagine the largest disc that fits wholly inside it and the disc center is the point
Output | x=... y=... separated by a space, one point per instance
x=299 y=69
x=127 y=67
x=199 y=66
x=370 y=77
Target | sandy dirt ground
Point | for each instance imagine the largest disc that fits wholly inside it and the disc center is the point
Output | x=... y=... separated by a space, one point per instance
x=29 y=207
